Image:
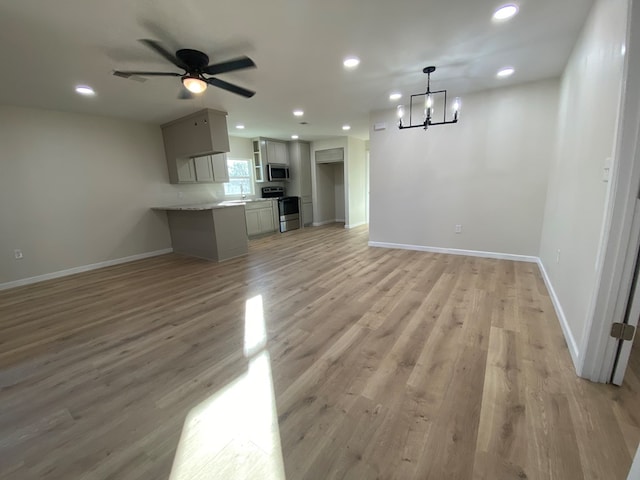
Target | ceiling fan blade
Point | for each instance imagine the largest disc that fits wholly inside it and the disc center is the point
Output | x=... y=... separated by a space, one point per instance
x=185 y=94
x=229 y=66
x=230 y=87
x=153 y=45
x=127 y=74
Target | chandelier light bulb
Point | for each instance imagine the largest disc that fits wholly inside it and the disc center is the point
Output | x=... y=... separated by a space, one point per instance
x=457 y=103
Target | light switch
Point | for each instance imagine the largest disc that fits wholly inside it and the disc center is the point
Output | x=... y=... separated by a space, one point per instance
x=606 y=170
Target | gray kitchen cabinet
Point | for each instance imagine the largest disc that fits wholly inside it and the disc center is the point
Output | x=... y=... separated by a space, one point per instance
x=203 y=169
x=330 y=155
x=253 y=222
x=220 y=168
x=307 y=213
x=197 y=135
x=260 y=218
x=300 y=182
x=277 y=152
x=185 y=170
x=271 y=151
x=259 y=173
x=210 y=231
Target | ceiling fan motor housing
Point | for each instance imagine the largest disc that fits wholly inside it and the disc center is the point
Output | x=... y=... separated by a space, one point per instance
x=193 y=59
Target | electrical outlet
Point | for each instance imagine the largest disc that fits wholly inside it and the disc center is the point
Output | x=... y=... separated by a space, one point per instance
x=458 y=228
x=558 y=256
x=18 y=254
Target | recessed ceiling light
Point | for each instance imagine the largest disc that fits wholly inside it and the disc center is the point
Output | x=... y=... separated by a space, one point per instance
x=298 y=113
x=351 y=62
x=505 y=72
x=505 y=12
x=294 y=137
x=395 y=96
x=85 y=90
x=240 y=126
x=346 y=127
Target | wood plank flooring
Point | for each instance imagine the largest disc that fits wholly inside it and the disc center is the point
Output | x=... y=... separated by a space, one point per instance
x=314 y=356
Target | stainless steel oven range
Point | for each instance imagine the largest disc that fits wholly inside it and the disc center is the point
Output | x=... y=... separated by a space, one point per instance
x=288 y=207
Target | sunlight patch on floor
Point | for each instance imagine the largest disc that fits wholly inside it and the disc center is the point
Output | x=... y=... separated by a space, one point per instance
x=234 y=433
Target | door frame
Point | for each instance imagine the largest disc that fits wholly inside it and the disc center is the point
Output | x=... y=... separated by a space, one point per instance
x=632 y=312
x=618 y=244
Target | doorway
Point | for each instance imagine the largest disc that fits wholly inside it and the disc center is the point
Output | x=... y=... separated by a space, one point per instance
x=330 y=192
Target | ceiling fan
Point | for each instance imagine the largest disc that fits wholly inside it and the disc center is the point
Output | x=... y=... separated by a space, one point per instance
x=195 y=66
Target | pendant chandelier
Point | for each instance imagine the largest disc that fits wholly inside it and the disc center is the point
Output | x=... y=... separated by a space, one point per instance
x=431 y=100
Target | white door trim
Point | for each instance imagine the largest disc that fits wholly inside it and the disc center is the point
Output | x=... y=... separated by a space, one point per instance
x=634 y=306
x=634 y=473
x=615 y=265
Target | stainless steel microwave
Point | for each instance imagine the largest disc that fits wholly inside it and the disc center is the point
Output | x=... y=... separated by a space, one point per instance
x=277 y=172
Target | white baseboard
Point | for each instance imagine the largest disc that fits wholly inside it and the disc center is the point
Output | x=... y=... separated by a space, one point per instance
x=326 y=222
x=82 y=268
x=456 y=251
x=568 y=336
x=354 y=225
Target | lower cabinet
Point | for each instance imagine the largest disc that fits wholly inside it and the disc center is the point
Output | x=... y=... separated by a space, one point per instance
x=260 y=218
x=307 y=214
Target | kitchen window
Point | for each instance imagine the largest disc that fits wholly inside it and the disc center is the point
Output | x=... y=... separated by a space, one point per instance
x=240 y=179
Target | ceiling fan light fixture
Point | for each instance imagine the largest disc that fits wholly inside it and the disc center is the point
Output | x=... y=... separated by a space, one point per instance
x=194 y=84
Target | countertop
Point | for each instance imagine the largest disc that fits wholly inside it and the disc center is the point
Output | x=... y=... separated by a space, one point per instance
x=212 y=206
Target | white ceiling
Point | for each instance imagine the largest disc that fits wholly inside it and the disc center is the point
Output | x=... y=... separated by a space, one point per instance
x=48 y=47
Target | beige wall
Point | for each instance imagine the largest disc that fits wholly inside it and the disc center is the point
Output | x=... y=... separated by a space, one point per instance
x=76 y=190
x=356 y=182
x=241 y=148
x=577 y=196
x=338 y=188
x=487 y=173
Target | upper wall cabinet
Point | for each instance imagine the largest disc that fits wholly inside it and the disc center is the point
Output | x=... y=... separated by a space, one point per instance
x=204 y=169
x=258 y=163
x=330 y=155
x=273 y=151
x=198 y=134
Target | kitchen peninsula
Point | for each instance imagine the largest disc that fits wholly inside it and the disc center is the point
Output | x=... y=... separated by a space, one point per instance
x=214 y=231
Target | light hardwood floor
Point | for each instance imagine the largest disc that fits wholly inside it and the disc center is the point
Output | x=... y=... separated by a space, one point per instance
x=382 y=364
